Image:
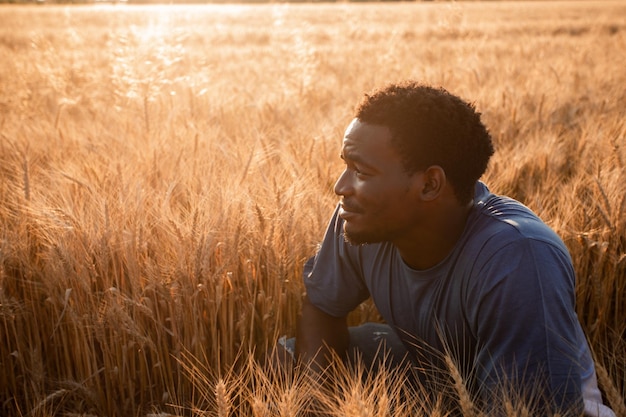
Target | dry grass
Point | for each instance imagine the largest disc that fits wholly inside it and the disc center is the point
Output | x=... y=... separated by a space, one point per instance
x=165 y=171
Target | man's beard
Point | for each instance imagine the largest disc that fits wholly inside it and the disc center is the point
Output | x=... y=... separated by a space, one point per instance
x=362 y=237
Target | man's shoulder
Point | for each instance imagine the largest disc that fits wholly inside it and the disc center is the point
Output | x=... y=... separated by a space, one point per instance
x=509 y=220
x=507 y=242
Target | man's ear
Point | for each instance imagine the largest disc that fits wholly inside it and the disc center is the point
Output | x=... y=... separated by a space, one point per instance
x=434 y=182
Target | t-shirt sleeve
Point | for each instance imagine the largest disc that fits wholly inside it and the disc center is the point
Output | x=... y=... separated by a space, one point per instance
x=333 y=277
x=526 y=325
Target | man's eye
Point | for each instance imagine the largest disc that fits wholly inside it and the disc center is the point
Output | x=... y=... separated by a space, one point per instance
x=358 y=172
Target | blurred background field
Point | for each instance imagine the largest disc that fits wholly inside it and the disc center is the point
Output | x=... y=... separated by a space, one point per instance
x=166 y=170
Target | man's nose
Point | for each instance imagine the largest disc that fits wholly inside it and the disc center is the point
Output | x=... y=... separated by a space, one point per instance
x=343 y=185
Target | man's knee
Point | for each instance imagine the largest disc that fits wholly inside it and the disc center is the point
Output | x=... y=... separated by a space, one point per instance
x=378 y=345
x=373 y=344
x=282 y=356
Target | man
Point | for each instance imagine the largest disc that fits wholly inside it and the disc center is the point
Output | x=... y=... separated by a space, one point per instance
x=453 y=269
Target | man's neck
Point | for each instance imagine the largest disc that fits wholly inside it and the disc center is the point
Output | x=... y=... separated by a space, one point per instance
x=436 y=237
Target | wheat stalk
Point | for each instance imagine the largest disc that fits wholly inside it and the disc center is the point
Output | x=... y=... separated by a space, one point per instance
x=259 y=407
x=49 y=398
x=465 y=400
x=615 y=399
x=222 y=399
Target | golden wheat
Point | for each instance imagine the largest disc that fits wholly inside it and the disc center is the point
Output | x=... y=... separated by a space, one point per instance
x=465 y=400
x=615 y=399
x=166 y=170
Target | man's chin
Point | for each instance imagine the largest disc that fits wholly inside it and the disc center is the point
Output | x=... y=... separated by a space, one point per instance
x=355 y=237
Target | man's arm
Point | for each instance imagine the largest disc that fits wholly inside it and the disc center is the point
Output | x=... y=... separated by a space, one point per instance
x=530 y=334
x=318 y=334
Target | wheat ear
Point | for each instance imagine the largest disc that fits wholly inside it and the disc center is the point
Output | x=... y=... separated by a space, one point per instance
x=465 y=400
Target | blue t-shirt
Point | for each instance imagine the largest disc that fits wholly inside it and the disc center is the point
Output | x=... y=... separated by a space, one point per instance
x=501 y=303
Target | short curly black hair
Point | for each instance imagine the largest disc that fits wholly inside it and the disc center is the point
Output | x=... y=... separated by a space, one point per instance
x=431 y=126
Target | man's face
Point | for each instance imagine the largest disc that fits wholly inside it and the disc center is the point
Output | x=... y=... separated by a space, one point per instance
x=376 y=191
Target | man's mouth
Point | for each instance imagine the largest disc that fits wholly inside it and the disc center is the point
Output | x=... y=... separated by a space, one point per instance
x=348 y=211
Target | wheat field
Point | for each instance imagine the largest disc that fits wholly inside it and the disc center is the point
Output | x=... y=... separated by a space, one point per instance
x=166 y=170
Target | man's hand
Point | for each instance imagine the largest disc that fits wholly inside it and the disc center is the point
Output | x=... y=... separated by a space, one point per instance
x=318 y=336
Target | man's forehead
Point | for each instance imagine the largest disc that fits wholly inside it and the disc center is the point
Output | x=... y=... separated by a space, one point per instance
x=351 y=142
x=349 y=150
x=353 y=123
x=348 y=143
x=366 y=143
x=358 y=131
